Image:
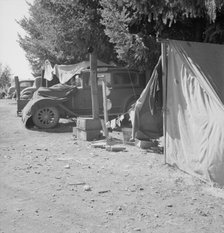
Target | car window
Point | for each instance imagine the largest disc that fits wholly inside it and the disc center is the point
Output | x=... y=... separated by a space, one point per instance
x=78 y=82
x=75 y=81
x=125 y=79
x=100 y=76
x=104 y=77
x=117 y=79
x=26 y=84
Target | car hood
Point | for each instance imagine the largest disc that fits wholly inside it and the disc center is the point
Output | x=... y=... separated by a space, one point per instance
x=56 y=91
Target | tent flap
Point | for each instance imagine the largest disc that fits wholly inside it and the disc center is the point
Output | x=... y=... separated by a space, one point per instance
x=148 y=122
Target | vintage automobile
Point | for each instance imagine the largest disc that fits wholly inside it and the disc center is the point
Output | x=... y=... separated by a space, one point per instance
x=26 y=94
x=48 y=105
x=26 y=83
x=12 y=92
x=22 y=88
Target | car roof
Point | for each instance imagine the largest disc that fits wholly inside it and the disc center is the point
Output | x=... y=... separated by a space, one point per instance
x=111 y=69
x=26 y=80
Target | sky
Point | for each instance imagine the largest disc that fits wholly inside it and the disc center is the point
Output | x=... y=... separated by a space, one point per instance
x=11 y=53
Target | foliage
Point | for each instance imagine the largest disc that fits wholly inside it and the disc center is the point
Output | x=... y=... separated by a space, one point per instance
x=133 y=48
x=62 y=31
x=134 y=25
x=5 y=74
x=214 y=33
x=120 y=30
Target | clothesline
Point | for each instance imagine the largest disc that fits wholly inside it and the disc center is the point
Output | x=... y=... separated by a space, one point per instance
x=117 y=122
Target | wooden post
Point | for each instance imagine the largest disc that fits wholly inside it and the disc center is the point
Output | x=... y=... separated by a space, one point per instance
x=105 y=108
x=17 y=86
x=16 y=78
x=164 y=81
x=94 y=86
x=42 y=78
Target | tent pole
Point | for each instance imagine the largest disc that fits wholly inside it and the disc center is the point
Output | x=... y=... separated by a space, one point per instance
x=164 y=81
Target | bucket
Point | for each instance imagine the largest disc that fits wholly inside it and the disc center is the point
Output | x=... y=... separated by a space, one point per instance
x=126 y=135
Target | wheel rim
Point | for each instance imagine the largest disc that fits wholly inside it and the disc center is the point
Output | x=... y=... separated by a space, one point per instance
x=46 y=117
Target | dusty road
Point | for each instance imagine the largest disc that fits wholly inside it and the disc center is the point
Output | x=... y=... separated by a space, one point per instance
x=51 y=183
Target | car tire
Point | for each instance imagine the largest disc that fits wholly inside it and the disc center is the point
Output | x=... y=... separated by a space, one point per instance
x=46 y=117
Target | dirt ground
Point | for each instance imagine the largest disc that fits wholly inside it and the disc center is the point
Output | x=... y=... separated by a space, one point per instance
x=52 y=183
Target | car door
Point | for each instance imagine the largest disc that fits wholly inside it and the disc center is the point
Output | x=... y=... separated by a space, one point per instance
x=124 y=88
x=82 y=100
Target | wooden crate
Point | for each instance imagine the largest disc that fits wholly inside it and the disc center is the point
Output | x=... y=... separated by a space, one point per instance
x=86 y=135
x=84 y=123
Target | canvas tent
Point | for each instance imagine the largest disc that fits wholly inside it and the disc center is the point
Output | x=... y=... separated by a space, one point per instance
x=193 y=103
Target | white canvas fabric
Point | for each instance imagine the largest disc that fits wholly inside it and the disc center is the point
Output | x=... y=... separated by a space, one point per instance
x=48 y=71
x=195 y=110
x=66 y=72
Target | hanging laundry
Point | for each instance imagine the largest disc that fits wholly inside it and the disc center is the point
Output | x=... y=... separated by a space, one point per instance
x=113 y=124
x=48 y=71
x=66 y=72
x=132 y=116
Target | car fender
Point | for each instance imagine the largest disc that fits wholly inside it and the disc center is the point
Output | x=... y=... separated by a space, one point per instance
x=28 y=90
x=34 y=104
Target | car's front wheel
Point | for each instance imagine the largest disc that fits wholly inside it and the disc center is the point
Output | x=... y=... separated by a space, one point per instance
x=46 y=117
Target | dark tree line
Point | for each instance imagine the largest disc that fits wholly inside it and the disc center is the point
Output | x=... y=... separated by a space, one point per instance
x=5 y=78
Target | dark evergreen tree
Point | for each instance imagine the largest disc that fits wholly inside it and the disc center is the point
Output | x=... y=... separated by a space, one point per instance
x=5 y=78
x=120 y=30
x=62 y=31
x=134 y=25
